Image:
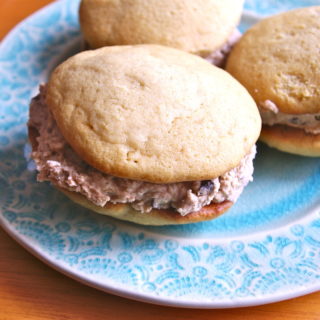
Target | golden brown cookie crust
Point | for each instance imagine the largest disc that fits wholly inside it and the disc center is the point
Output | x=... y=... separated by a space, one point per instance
x=152 y=113
x=200 y=26
x=278 y=60
x=292 y=140
x=155 y=217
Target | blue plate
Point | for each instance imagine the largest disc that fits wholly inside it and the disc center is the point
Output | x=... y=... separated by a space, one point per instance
x=265 y=249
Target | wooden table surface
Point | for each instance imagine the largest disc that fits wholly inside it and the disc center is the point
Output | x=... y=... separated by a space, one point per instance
x=31 y=290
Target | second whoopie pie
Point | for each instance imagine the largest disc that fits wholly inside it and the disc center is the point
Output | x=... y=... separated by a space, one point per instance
x=204 y=27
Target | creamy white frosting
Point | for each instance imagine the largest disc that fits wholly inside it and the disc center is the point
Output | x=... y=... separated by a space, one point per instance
x=270 y=114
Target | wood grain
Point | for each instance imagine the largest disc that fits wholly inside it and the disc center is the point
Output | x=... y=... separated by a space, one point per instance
x=30 y=290
x=13 y=11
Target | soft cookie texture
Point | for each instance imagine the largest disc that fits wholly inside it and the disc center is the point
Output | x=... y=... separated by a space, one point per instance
x=152 y=113
x=277 y=60
x=199 y=27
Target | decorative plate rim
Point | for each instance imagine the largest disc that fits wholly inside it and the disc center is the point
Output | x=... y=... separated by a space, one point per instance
x=69 y=272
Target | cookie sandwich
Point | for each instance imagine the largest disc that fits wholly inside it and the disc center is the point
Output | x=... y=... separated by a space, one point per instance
x=145 y=133
x=204 y=27
x=277 y=60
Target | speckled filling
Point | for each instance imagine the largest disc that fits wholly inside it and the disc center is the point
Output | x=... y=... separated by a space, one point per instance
x=271 y=115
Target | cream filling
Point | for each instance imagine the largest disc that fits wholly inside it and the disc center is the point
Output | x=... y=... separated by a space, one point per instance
x=270 y=114
x=219 y=56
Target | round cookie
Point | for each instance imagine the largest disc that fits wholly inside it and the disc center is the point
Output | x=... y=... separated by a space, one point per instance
x=277 y=60
x=199 y=27
x=152 y=113
x=291 y=140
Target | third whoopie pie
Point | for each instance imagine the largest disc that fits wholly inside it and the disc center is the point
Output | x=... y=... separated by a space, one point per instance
x=278 y=61
x=145 y=133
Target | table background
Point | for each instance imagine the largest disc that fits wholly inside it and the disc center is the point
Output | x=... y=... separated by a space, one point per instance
x=31 y=290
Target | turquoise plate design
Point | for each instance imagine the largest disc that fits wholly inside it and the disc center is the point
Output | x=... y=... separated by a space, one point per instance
x=265 y=249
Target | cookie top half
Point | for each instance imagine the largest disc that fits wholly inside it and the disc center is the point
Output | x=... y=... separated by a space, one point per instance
x=152 y=113
x=278 y=60
x=195 y=26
